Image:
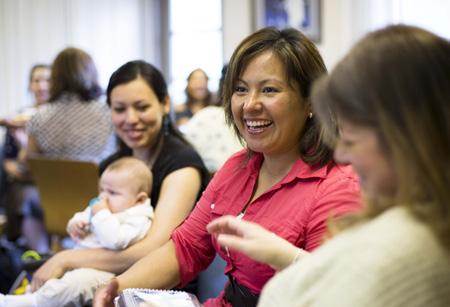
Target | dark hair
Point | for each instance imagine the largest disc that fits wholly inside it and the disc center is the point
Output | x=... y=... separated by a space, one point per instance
x=74 y=71
x=34 y=68
x=396 y=81
x=302 y=63
x=190 y=100
x=223 y=73
x=153 y=77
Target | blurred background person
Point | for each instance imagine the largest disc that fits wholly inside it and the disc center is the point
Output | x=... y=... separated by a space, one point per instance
x=14 y=182
x=198 y=96
x=209 y=133
x=74 y=125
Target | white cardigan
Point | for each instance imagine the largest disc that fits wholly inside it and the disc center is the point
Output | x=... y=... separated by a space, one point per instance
x=393 y=260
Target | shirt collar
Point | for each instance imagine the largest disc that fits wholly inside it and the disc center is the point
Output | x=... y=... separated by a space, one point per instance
x=300 y=169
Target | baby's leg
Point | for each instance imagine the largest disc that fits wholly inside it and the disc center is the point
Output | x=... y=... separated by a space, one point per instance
x=25 y=300
x=75 y=288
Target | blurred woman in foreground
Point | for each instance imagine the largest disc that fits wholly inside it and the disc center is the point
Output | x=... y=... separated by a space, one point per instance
x=391 y=96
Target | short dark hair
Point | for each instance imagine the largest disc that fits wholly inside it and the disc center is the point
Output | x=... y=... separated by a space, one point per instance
x=302 y=63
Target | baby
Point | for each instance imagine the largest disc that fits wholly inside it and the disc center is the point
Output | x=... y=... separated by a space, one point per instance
x=118 y=217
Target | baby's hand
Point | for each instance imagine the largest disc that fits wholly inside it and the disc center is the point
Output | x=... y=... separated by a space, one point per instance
x=99 y=205
x=78 y=230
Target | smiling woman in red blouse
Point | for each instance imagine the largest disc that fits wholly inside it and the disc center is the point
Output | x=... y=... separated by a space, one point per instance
x=285 y=180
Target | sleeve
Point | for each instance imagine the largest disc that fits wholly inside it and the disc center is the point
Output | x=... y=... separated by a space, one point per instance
x=335 y=198
x=174 y=156
x=80 y=216
x=185 y=156
x=193 y=244
x=112 y=233
x=356 y=286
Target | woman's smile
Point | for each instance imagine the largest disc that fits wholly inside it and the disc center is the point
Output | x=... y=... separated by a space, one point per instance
x=256 y=127
x=268 y=111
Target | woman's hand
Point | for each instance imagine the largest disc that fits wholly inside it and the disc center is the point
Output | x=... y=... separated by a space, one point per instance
x=254 y=241
x=52 y=268
x=104 y=296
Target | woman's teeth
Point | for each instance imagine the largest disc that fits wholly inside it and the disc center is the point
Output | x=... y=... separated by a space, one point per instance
x=254 y=124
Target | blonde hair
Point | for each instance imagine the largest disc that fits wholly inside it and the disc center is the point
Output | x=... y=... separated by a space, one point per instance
x=396 y=81
x=139 y=171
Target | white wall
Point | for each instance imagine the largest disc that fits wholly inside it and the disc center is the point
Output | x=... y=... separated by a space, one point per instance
x=345 y=21
x=237 y=24
x=115 y=31
x=111 y=31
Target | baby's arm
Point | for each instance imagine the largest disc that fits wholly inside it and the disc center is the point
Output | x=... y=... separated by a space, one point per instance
x=78 y=225
x=114 y=232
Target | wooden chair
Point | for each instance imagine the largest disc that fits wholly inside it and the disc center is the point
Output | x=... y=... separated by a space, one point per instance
x=65 y=187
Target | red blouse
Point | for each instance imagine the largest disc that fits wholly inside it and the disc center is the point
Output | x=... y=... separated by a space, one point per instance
x=296 y=208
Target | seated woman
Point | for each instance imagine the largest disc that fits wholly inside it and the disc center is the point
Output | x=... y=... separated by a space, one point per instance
x=285 y=180
x=209 y=133
x=139 y=103
x=391 y=96
x=198 y=96
x=73 y=125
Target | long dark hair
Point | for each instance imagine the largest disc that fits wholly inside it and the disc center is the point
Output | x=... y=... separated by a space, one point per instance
x=153 y=77
x=302 y=63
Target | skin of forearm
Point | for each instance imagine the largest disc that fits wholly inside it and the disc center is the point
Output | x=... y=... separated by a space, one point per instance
x=285 y=255
x=158 y=270
x=110 y=260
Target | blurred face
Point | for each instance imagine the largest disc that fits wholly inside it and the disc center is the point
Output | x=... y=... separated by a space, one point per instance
x=39 y=84
x=359 y=146
x=269 y=113
x=137 y=114
x=198 y=85
x=118 y=189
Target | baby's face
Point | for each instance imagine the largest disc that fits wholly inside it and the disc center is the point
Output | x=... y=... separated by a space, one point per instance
x=119 y=189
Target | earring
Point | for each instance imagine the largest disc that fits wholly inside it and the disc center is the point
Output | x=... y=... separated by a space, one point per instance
x=166 y=124
x=310 y=115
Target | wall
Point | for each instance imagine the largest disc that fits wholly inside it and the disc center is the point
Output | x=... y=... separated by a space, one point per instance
x=237 y=24
x=345 y=21
x=115 y=31
x=112 y=31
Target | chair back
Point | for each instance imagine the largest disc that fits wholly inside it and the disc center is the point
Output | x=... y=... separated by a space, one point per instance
x=65 y=187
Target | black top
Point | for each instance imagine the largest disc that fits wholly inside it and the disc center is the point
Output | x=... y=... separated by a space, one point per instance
x=174 y=155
